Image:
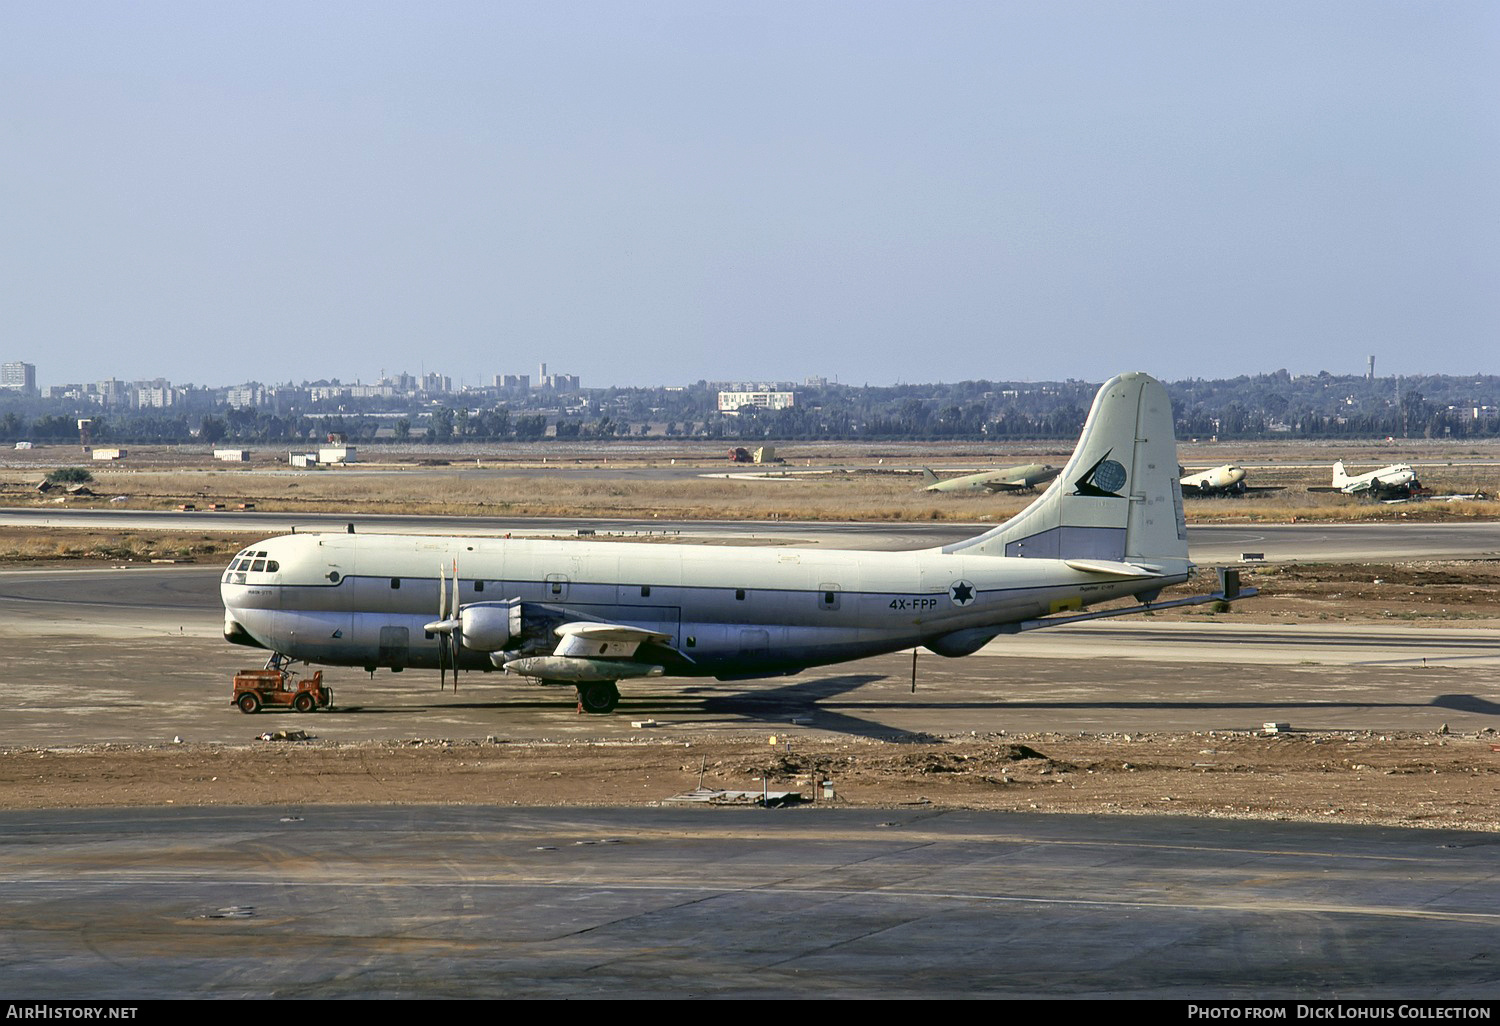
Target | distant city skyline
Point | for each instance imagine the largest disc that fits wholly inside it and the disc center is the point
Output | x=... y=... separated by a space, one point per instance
x=664 y=191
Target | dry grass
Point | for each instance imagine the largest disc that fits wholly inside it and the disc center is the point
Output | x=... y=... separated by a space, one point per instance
x=873 y=496
x=646 y=481
x=845 y=496
x=29 y=545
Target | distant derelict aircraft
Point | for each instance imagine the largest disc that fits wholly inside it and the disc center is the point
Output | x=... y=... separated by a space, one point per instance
x=1223 y=480
x=1398 y=479
x=590 y=614
x=1007 y=479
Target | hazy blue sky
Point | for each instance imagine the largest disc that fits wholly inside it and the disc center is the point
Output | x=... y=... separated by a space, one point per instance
x=654 y=192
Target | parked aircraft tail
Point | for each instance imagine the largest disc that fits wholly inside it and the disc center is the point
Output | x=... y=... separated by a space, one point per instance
x=928 y=477
x=1117 y=500
x=1340 y=476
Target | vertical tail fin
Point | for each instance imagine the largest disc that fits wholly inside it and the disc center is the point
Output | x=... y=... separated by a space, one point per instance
x=1117 y=498
x=928 y=477
x=1340 y=476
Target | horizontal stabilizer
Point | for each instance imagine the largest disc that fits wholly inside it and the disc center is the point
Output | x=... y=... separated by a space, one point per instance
x=1196 y=600
x=1105 y=566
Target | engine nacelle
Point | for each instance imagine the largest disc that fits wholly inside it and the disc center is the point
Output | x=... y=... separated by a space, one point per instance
x=512 y=626
x=489 y=626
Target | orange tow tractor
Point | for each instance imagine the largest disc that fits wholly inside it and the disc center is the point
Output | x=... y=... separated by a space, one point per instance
x=256 y=689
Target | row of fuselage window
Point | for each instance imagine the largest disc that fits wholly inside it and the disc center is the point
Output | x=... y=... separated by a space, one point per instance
x=556 y=587
x=255 y=562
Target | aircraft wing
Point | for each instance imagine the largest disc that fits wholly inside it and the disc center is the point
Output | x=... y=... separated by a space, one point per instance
x=591 y=651
x=618 y=641
x=1007 y=486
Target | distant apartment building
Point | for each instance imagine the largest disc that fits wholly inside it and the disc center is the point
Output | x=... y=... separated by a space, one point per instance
x=437 y=384
x=18 y=377
x=730 y=402
x=252 y=393
x=155 y=394
x=381 y=391
x=111 y=392
x=513 y=381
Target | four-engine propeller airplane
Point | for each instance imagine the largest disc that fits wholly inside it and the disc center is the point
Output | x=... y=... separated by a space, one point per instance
x=590 y=614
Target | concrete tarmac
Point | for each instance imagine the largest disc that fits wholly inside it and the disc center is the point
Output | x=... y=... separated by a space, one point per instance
x=598 y=903
x=1209 y=544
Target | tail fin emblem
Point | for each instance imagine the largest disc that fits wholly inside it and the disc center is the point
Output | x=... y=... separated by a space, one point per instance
x=1104 y=478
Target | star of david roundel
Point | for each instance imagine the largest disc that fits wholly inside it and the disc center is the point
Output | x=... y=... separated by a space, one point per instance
x=961 y=592
x=1109 y=476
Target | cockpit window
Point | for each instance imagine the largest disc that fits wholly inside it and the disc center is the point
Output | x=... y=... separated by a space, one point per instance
x=249 y=561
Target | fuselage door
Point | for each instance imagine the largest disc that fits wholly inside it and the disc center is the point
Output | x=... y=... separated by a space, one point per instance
x=755 y=644
x=395 y=647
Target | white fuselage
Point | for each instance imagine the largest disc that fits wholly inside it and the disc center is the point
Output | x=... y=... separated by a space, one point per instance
x=729 y=611
x=1023 y=478
x=1227 y=478
x=1398 y=477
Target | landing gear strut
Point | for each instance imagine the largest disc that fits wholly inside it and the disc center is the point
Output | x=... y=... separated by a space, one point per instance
x=598 y=697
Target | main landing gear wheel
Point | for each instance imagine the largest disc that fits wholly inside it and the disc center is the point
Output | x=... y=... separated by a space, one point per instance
x=249 y=703
x=599 y=697
x=303 y=703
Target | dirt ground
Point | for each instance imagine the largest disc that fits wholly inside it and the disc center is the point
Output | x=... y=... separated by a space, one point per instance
x=1422 y=780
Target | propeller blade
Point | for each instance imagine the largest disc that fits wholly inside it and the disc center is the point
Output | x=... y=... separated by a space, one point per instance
x=454 y=635
x=442 y=637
